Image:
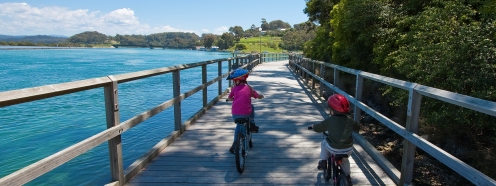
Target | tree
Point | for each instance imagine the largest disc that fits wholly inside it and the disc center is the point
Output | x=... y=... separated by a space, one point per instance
x=208 y=40
x=295 y=39
x=318 y=12
x=228 y=39
x=88 y=37
x=237 y=31
x=264 y=25
x=278 y=24
x=253 y=26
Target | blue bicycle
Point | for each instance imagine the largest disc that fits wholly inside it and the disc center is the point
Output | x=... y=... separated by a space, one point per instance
x=242 y=142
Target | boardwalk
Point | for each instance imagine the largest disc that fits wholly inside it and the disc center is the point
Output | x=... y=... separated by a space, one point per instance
x=284 y=152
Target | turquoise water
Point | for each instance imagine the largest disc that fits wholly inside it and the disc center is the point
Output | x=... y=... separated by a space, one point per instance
x=32 y=131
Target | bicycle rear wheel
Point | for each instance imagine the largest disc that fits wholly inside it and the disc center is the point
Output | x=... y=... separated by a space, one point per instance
x=239 y=152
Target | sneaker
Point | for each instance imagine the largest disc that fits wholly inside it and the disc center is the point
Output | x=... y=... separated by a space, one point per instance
x=319 y=165
x=254 y=128
x=231 y=150
x=349 y=180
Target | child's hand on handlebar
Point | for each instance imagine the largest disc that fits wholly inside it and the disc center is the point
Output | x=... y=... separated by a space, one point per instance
x=260 y=96
x=310 y=127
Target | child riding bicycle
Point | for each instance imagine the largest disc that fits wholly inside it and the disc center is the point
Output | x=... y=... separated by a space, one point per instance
x=240 y=96
x=340 y=128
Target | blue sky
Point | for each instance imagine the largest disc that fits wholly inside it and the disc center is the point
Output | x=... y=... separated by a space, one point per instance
x=110 y=17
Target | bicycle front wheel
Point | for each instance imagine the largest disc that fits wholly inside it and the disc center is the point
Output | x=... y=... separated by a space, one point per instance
x=239 y=152
x=343 y=180
x=327 y=170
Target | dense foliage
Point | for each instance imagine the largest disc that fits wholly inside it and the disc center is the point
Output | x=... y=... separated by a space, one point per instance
x=89 y=37
x=448 y=45
x=292 y=38
x=32 y=40
x=165 y=39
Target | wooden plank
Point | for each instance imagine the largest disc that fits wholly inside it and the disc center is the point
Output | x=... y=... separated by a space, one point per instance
x=42 y=92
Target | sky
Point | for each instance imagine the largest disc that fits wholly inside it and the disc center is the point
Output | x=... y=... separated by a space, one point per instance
x=111 y=17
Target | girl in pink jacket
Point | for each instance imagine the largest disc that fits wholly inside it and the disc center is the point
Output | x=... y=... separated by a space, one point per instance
x=240 y=96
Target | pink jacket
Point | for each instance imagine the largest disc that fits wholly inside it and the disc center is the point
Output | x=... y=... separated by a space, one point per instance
x=242 y=95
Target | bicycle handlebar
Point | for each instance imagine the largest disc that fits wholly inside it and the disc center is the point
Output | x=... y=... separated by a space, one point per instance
x=311 y=128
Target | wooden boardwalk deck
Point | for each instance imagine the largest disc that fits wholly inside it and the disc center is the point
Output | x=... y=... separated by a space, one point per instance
x=284 y=152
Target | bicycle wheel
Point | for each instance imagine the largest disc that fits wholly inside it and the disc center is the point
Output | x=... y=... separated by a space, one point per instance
x=328 y=170
x=239 y=152
x=343 y=180
x=250 y=144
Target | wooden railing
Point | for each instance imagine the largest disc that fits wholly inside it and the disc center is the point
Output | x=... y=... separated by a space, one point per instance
x=114 y=127
x=302 y=67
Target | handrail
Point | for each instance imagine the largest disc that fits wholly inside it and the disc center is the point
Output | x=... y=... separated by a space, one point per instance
x=297 y=63
x=114 y=128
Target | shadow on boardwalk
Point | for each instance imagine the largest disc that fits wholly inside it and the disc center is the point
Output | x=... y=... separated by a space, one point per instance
x=284 y=152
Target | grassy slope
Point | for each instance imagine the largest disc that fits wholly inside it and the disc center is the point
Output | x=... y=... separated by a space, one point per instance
x=253 y=44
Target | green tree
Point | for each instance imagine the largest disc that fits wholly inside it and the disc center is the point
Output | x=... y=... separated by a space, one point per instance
x=295 y=39
x=237 y=31
x=88 y=37
x=228 y=39
x=318 y=12
x=264 y=25
x=208 y=40
x=354 y=24
x=278 y=24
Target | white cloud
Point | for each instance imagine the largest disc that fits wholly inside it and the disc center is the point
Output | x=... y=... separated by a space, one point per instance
x=23 y=19
x=221 y=30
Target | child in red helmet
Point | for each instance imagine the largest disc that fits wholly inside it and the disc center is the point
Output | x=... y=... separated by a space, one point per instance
x=340 y=127
x=240 y=96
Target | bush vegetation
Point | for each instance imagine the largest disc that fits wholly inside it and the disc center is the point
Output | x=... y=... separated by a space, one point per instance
x=448 y=45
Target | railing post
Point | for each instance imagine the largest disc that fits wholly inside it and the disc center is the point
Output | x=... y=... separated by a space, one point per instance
x=229 y=68
x=250 y=60
x=113 y=119
x=176 y=89
x=313 y=71
x=219 y=73
x=358 y=97
x=204 y=81
x=412 y=118
x=322 y=75
x=306 y=74
x=336 y=77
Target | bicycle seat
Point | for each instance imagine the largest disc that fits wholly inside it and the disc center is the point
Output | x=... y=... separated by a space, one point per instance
x=241 y=120
x=339 y=156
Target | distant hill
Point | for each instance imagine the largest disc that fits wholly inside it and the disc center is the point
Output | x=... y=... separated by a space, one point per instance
x=34 y=39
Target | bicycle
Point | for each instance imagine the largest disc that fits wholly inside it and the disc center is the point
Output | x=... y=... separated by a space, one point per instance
x=332 y=167
x=242 y=142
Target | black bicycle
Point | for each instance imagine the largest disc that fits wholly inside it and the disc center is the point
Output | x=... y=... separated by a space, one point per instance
x=242 y=142
x=332 y=167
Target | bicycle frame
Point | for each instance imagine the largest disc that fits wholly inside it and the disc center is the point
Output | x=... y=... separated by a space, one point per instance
x=338 y=174
x=332 y=166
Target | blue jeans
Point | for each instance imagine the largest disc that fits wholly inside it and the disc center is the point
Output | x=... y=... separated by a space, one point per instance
x=239 y=127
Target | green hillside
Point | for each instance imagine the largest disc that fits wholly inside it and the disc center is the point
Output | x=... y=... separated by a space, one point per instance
x=257 y=44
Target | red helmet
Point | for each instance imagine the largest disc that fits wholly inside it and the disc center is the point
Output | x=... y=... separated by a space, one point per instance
x=339 y=103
